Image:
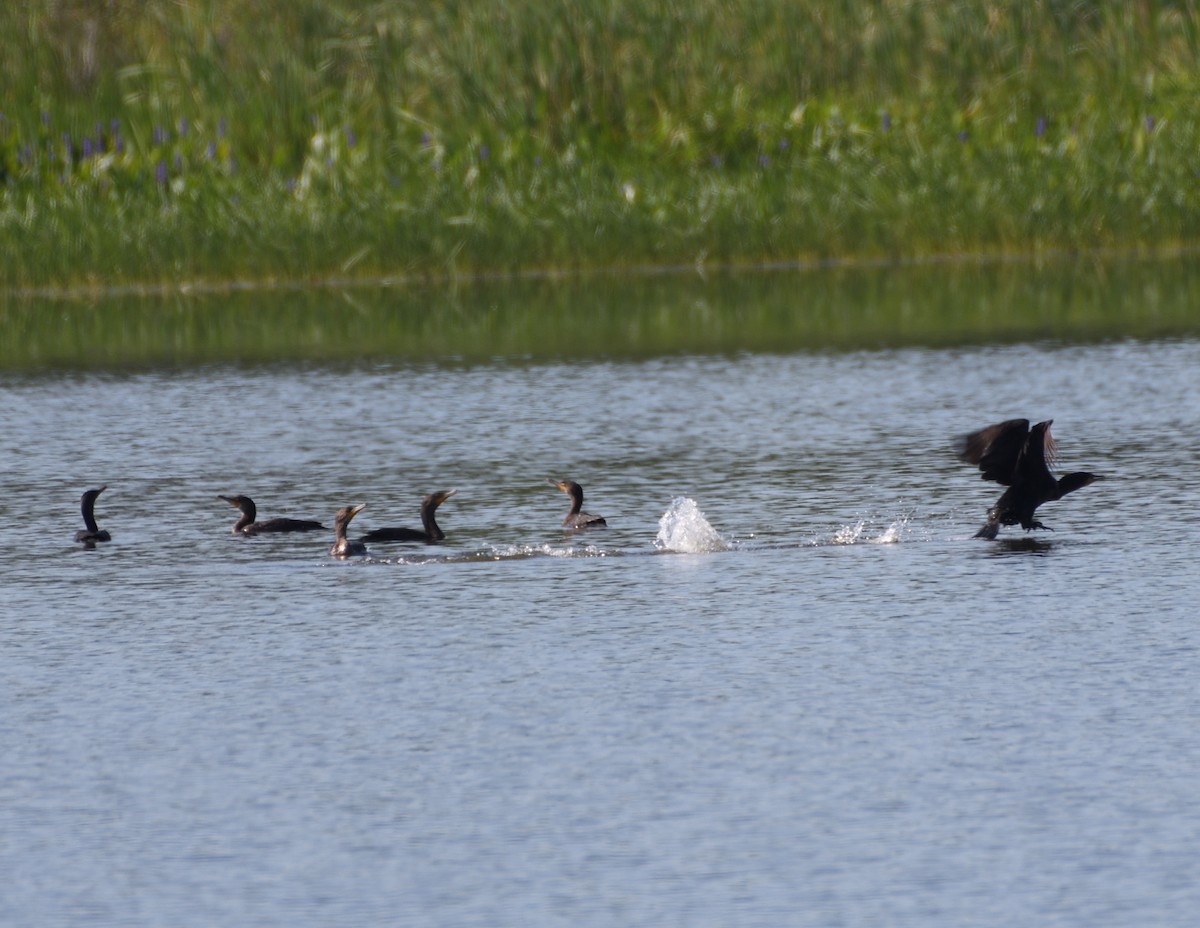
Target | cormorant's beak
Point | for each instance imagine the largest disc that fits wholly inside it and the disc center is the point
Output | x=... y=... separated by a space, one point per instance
x=228 y=499
x=102 y=489
x=446 y=494
x=356 y=509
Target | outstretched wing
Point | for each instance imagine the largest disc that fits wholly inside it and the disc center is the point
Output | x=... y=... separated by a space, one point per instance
x=996 y=449
x=1041 y=453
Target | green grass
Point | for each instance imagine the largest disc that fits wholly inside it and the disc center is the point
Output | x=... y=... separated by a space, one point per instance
x=213 y=140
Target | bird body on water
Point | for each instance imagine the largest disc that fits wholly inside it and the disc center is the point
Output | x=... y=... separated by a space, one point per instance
x=247 y=525
x=343 y=546
x=91 y=533
x=1018 y=457
x=430 y=531
x=576 y=518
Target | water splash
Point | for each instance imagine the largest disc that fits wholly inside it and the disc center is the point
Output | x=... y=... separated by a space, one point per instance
x=848 y=534
x=684 y=529
x=861 y=533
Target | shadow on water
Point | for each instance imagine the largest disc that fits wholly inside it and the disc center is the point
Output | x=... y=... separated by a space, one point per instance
x=1005 y=547
x=610 y=316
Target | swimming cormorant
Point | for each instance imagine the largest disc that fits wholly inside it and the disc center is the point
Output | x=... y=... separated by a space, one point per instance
x=247 y=526
x=1018 y=457
x=92 y=534
x=431 y=532
x=575 y=518
x=343 y=546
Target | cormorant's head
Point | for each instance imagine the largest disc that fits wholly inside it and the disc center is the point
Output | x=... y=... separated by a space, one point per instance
x=239 y=502
x=570 y=487
x=346 y=513
x=1069 y=483
x=433 y=500
x=89 y=497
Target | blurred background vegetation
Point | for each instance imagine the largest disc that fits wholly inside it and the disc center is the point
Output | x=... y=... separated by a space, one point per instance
x=168 y=140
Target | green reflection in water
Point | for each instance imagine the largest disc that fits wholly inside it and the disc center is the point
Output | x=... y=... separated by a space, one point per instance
x=601 y=316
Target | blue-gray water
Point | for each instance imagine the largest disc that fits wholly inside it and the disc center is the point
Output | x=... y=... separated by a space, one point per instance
x=854 y=715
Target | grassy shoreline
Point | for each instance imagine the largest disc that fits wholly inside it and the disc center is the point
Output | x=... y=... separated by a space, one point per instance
x=314 y=140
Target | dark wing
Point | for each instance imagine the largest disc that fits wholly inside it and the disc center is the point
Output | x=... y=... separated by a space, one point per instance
x=285 y=525
x=996 y=449
x=394 y=534
x=584 y=520
x=1041 y=452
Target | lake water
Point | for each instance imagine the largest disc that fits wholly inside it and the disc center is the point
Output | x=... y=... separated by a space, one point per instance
x=785 y=686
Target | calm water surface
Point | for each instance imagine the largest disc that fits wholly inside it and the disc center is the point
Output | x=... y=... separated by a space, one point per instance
x=846 y=711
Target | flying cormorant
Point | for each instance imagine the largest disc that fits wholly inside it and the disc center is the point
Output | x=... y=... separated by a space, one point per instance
x=1018 y=457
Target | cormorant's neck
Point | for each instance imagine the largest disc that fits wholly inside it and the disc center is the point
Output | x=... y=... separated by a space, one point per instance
x=89 y=518
x=576 y=501
x=429 y=521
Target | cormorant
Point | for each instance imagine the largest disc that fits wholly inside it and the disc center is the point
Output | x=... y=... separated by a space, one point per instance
x=1018 y=457
x=343 y=546
x=431 y=531
x=92 y=534
x=575 y=518
x=247 y=526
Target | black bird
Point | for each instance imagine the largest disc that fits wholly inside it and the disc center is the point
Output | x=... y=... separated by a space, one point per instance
x=1018 y=457
x=343 y=546
x=247 y=526
x=575 y=518
x=92 y=533
x=431 y=531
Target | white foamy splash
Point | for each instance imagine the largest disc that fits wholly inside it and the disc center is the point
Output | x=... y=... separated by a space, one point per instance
x=858 y=533
x=684 y=529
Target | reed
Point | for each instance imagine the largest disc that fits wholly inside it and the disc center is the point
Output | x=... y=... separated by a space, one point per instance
x=217 y=140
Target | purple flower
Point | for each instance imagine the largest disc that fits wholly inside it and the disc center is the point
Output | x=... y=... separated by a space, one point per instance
x=1039 y=128
x=885 y=122
x=484 y=151
x=1149 y=123
x=714 y=161
x=351 y=138
x=178 y=163
x=160 y=173
x=963 y=135
x=763 y=161
x=783 y=144
x=210 y=151
x=537 y=161
x=426 y=141
x=221 y=128
x=183 y=126
x=159 y=136
x=87 y=148
x=45 y=118
x=291 y=185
